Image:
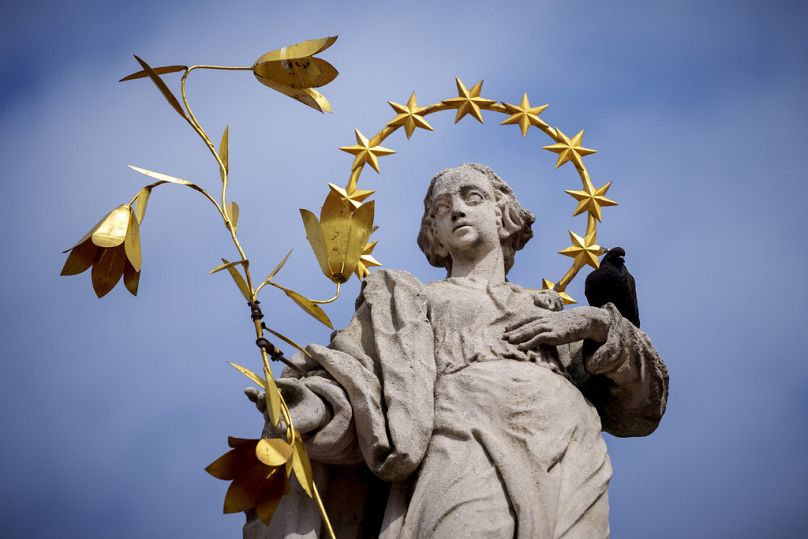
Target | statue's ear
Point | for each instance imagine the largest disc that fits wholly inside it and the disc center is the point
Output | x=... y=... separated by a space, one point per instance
x=503 y=232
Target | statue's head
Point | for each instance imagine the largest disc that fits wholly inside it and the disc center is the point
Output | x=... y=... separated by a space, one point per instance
x=501 y=215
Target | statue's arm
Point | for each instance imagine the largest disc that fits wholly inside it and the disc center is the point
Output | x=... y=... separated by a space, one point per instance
x=368 y=396
x=622 y=375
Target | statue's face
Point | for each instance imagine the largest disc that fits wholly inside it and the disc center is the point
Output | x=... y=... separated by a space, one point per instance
x=466 y=215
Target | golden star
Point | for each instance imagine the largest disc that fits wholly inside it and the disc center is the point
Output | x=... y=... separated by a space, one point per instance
x=366 y=152
x=591 y=199
x=409 y=116
x=569 y=150
x=583 y=250
x=366 y=261
x=355 y=197
x=468 y=101
x=524 y=115
x=550 y=285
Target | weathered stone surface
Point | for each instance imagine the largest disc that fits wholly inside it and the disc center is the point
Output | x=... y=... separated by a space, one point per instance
x=469 y=407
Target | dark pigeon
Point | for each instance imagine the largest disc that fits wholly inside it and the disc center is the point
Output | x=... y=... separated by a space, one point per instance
x=612 y=282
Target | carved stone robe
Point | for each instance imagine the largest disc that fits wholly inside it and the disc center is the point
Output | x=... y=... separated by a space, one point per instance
x=438 y=427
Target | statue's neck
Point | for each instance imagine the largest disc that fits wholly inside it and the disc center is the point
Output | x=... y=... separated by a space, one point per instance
x=488 y=268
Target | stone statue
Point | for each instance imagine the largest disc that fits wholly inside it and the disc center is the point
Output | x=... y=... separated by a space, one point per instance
x=468 y=407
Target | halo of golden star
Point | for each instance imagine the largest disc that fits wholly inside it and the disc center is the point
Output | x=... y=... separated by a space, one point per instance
x=569 y=149
x=409 y=116
x=355 y=197
x=583 y=250
x=365 y=151
x=591 y=199
x=468 y=101
x=524 y=115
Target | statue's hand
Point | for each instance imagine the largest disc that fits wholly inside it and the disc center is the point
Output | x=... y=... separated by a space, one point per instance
x=306 y=408
x=547 y=327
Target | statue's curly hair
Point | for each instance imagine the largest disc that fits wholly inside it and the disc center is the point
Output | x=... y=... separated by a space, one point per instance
x=515 y=225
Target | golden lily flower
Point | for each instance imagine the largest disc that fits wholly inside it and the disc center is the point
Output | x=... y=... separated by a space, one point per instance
x=260 y=471
x=339 y=239
x=255 y=484
x=112 y=248
x=294 y=71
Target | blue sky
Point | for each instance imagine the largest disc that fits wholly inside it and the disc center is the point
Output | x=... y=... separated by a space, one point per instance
x=111 y=408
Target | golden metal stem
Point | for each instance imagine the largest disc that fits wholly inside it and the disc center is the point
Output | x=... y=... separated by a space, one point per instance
x=290 y=429
x=194 y=123
x=322 y=511
x=329 y=300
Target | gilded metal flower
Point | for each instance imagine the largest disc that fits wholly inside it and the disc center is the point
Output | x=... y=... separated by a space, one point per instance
x=260 y=471
x=255 y=484
x=112 y=248
x=294 y=71
x=339 y=238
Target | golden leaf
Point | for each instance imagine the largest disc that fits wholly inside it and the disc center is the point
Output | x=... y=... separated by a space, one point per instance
x=141 y=202
x=220 y=267
x=273 y=451
x=306 y=304
x=302 y=467
x=108 y=270
x=238 y=279
x=249 y=374
x=160 y=176
x=111 y=232
x=161 y=86
x=298 y=50
x=287 y=340
x=159 y=70
x=232 y=213
x=273 y=398
x=279 y=266
x=224 y=152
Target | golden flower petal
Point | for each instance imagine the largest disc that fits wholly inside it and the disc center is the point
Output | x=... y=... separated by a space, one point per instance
x=298 y=50
x=131 y=242
x=235 y=462
x=111 y=232
x=308 y=96
x=302 y=73
x=361 y=225
x=314 y=233
x=81 y=257
x=335 y=221
x=108 y=270
x=131 y=278
x=269 y=496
